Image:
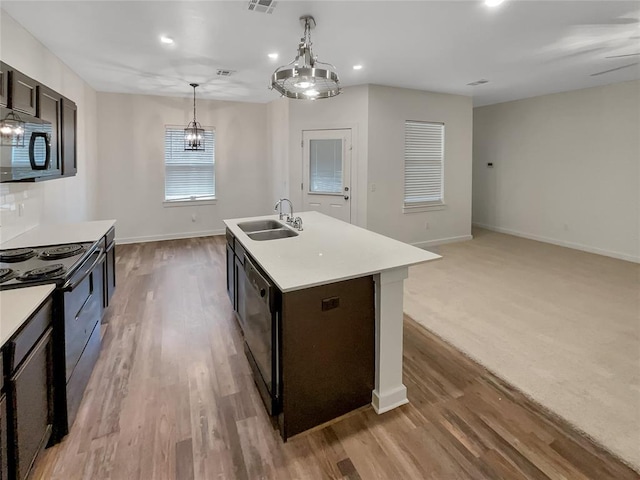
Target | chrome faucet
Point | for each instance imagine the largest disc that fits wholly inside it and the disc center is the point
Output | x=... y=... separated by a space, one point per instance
x=288 y=218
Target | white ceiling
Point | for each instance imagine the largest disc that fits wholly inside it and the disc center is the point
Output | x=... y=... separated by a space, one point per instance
x=525 y=48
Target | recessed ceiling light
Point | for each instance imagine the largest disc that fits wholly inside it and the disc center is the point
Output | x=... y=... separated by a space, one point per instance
x=273 y=56
x=166 y=40
x=493 y=3
x=357 y=67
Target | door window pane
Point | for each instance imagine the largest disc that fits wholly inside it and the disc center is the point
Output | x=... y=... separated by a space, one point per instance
x=325 y=166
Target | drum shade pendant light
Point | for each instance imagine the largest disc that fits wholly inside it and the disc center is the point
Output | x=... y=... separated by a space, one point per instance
x=194 y=133
x=306 y=78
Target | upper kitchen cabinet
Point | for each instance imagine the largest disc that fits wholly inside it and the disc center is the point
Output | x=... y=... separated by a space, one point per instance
x=69 y=131
x=4 y=85
x=50 y=109
x=22 y=92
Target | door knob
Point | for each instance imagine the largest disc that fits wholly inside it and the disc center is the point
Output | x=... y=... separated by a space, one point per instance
x=346 y=197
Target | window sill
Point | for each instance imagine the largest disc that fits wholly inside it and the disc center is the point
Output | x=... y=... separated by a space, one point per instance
x=424 y=208
x=189 y=203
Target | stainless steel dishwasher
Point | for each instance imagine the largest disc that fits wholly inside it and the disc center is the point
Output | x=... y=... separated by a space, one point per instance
x=260 y=322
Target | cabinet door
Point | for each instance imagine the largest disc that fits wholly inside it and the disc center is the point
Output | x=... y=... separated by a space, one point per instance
x=109 y=274
x=328 y=352
x=69 y=130
x=4 y=444
x=23 y=92
x=50 y=109
x=4 y=85
x=31 y=401
x=231 y=277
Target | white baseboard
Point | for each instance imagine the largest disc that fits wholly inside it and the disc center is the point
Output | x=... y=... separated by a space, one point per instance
x=442 y=241
x=561 y=243
x=384 y=402
x=169 y=236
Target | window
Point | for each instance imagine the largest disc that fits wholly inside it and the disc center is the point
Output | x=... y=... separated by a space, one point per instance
x=325 y=166
x=188 y=175
x=423 y=164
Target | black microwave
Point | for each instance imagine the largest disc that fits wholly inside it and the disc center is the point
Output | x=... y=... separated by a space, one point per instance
x=26 y=154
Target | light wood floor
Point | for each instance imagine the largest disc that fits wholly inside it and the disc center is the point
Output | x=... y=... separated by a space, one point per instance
x=172 y=398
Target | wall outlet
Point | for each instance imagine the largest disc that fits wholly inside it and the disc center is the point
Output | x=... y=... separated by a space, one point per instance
x=194 y=217
x=373 y=187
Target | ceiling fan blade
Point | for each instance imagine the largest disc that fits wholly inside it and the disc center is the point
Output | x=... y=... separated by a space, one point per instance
x=627 y=55
x=614 y=69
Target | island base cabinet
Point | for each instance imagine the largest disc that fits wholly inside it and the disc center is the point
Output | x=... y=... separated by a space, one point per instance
x=327 y=354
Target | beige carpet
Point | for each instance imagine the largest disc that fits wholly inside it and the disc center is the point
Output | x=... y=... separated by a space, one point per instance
x=561 y=325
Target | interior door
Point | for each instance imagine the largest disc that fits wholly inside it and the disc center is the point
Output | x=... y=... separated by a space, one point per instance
x=326 y=172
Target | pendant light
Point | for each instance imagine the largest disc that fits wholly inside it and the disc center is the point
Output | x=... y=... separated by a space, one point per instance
x=194 y=133
x=306 y=78
x=12 y=130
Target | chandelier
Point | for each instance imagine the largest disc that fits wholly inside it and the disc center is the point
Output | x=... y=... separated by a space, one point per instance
x=194 y=133
x=12 y=130
x=305 y=77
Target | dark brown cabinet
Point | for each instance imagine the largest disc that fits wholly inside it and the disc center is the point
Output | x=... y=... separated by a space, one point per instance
x=109 y=267
x=22 y=92
x=28 y=366
x=327 y=354
x=231 y=275
x=69 y=131
x=4 y=85
x=50 y=109
x=31 y=401
x=4 y=465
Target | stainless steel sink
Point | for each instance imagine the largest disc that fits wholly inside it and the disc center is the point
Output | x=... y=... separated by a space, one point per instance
x=272 y=234
x=259 y=225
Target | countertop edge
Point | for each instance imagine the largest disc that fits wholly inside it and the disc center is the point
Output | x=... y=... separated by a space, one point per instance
x=79 y=232
x=232 y=225
x=40 y=294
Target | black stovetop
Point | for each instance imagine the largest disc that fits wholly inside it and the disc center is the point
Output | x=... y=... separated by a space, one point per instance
x=22 y=267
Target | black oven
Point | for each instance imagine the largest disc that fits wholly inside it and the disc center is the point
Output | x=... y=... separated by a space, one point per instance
x=25 y=148
x=77 y=271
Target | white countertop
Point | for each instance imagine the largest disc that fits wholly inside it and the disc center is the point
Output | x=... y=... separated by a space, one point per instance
x=17 y=305
x=326 y=251
x=60 y=233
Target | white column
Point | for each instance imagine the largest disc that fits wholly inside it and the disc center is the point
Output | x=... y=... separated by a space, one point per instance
x=389 y=391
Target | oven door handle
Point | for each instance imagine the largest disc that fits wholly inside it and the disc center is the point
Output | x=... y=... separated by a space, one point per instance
x=68 y=286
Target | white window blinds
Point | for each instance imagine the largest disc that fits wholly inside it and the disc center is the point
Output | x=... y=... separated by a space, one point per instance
x=423 y=163
x=325 y=165
x=188 y=175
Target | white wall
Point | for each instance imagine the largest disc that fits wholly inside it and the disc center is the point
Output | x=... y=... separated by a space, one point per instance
x=278 y=141
x=55 y=201
x=131 y=164
x=348 y=110
x=388 y=109
x=566 y=169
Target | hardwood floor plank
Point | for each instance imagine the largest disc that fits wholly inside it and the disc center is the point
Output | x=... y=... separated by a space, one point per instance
x=172 y=397
x=184 y=460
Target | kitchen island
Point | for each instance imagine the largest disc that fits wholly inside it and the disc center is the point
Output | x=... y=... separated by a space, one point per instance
x=328 y=251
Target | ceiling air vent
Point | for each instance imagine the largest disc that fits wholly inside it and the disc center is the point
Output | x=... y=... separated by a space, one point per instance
x=262 y=6
x=225 y=73
x=478 y=82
